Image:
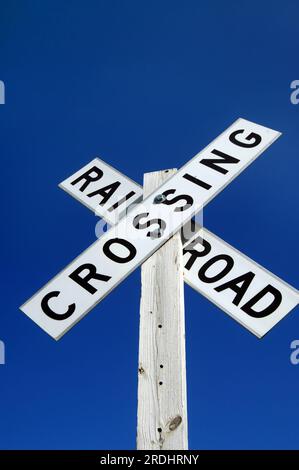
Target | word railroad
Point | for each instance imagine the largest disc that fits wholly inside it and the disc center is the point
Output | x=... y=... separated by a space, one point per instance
x=246 y=291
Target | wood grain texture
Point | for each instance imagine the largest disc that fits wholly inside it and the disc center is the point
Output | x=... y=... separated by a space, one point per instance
x=162 y=402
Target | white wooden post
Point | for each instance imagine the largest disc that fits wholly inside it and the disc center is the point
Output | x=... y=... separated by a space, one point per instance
x=162 y=401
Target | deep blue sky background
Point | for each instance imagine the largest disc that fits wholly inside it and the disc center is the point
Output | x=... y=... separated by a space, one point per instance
x=144 y=85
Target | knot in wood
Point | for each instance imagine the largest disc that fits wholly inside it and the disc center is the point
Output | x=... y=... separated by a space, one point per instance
x=175 y=423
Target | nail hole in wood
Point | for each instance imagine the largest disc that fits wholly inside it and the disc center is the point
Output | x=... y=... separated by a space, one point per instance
x=159 y=326
x=159 y=429
x=160 y=383
x=161 y=366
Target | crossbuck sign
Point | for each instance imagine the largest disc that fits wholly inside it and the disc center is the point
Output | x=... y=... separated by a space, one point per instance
x=246 y=291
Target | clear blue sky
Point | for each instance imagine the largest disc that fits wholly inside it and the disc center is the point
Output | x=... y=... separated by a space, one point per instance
x=144 y=85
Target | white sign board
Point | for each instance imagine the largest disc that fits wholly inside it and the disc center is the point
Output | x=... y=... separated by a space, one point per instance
x=103 y=189
x=92 y=275
x=245 y=290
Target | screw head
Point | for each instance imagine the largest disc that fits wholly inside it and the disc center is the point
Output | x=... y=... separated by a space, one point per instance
x=159 y=199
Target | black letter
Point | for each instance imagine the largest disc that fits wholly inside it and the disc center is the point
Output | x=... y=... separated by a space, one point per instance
x=247 y=308
x=106 y=192
x=50 y=313
x=92 y=274
x=121 y=201
x=185 y=197
x=239 y=290
x=88 y=178
x=194 y=253
x=156 y=233
x=212 y=162
x=257 y=139
x=118 y=259
x=229 y=264
x=195 y=180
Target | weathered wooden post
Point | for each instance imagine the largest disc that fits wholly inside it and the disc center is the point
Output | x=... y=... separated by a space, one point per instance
x=162 y=400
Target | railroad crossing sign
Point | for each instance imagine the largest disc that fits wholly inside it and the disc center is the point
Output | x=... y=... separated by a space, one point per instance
x=246 y=291
x=250 y=294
